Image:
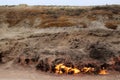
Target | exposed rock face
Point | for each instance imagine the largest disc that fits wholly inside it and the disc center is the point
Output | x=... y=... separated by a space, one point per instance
x=45 y=50
x=101 y=51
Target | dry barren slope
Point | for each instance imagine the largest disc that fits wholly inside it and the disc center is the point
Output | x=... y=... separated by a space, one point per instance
x=39 y=39
x=60 y=16
x=79 y=48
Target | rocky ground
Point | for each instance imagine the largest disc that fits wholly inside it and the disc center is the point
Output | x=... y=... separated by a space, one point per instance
x=34 y=40
x=41 y=49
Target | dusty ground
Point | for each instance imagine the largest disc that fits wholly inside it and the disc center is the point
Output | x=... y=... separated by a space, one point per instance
x=27 y=72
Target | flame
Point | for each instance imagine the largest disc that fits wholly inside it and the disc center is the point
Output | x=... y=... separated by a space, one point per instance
x=76 y=70
x=103 y=72
x=87 y=69
x=61 y=68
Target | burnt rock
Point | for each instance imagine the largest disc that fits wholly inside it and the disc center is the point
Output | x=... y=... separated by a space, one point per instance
x=35 y=59
x=18 y=60
x=117 y=66
x=43 y=66
x=100 y=52
x=69 y=64
x=53 y=69
x=74 y=43
x=104 y=66
x=1 y=58
x=58 y=61
x=27 y=61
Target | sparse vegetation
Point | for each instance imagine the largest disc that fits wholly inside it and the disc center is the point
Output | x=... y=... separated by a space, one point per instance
x=58 y=24
x=84 y=25
x=115 y=9
x=56 y=16
x=78 y=44
x=111 y=25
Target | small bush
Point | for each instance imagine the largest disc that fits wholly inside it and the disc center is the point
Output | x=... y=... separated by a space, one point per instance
x=111 y=25
x=101 y=8
x=84 y=25
x=62 y=21
x=74 y=12
x=58 y=24
x=13 y=18
x=91 y=17
x=115 y=9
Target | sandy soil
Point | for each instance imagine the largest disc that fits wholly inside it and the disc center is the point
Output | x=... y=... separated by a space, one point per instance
x=29 y=74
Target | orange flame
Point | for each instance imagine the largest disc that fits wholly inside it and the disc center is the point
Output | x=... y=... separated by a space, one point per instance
x=103 y=72
x=76 y=70
x=87 y=69
x=61 y=68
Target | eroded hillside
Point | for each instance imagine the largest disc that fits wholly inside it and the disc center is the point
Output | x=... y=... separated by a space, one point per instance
x=41 y=38
x=41 y=16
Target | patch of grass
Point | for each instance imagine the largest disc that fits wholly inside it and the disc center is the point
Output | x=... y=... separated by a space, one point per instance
x=91 y=17
x=101 y=12
x=58 y=24
x=62 y=21
x=111 y=25
x=56 y=16
x=74 y=12
x=12 y=18
x=115 y=9
x=84 y=25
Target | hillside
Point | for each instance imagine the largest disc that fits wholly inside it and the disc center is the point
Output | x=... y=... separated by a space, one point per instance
x=42 y=17
x=47 y=42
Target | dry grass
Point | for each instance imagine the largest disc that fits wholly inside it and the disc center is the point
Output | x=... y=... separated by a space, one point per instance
x=50 y=17
x=92 y=18
x=101 y=12
x=84 y=25
x=57 y=17
x=60 y=22
x=111 y=25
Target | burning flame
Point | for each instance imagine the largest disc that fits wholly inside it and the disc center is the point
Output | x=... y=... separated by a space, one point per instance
x=76 y=70
x=61 y=68
x=103 y=72
x=88 y=69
